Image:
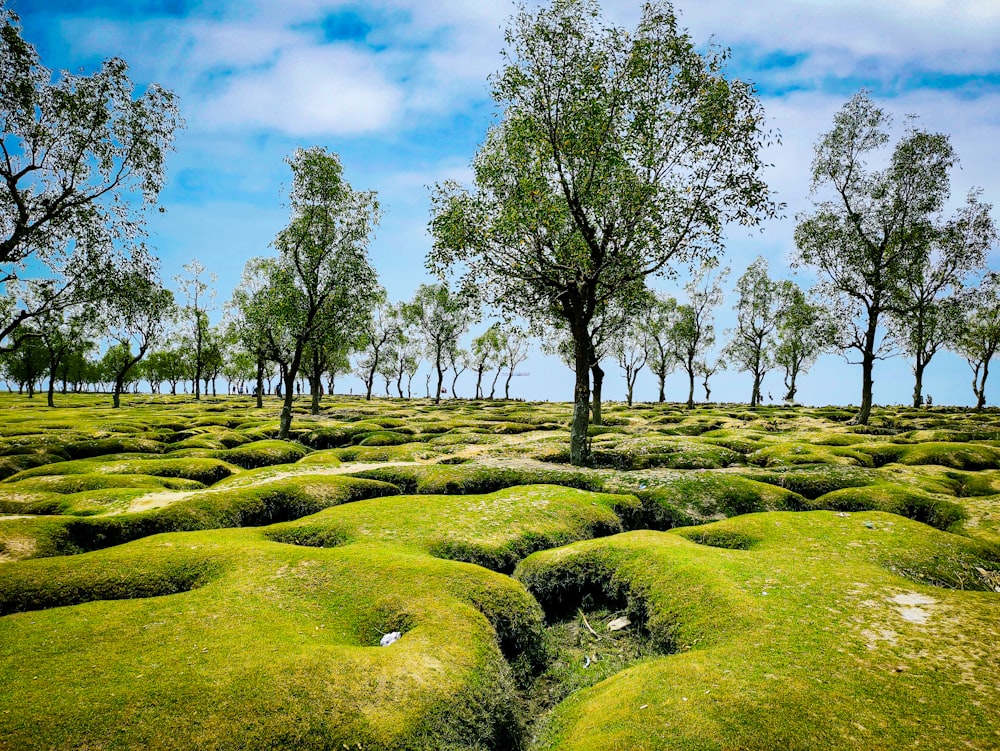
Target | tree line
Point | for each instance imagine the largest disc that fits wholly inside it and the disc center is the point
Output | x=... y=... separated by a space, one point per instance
x=619 y=156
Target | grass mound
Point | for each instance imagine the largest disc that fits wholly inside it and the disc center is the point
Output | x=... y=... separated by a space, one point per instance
x=776 y=649
x=260 y=504
x=495 y=530
x=313 y=618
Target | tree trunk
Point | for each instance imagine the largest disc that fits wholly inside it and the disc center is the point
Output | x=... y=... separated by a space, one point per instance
x=662 y=395
x=690 y=372
x=598 y=374
x=868 y=369
x=479 y=380
x=493 y=386
x=918 y=382
x=578 y=452
x=316 y=391
x=260 y=384
x=506 y=386
x=116 y=400
x=454 y=381
x=50 y=397
x=286 y=407
x=755 y=396
x=981 y=392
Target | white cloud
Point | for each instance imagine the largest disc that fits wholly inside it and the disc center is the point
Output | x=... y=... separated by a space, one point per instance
x=310 y=91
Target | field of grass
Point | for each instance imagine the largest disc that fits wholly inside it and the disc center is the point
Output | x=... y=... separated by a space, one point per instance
x=174 y=577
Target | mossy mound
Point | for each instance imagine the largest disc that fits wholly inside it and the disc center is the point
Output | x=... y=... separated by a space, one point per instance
x=407 y=452
x=265 y=502
x=494 y=530
x=464 y=480
x=896 y=499
x=93 y=674
x=203 y=470
x=775 y=648
x=264 y=453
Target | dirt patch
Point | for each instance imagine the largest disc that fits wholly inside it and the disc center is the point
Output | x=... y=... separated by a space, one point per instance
x=913 y=607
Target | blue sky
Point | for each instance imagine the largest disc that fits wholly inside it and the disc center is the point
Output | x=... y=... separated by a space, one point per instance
x=399 y=89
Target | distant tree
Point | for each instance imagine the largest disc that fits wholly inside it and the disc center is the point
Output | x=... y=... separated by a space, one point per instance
x=213 y=358
x=322 y=270
x=198 y=294
x=693 y=332
x=618 y=154
x=927 y=308
x=514 y=351
x=25 y=365
x=439 y=318
x=979 y=336
x=134 y=313
x=60 y=333
x=458 y=362
x=380 y=329
x=630 y=350
x=705 y=370
x=759 y=308
x=248 y=311
x=875 y=227
x=485 y=354
x=805 y=331
x=657 y=325
x=74 y=149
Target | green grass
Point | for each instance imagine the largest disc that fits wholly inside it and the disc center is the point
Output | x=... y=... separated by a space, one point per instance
x=172 y=576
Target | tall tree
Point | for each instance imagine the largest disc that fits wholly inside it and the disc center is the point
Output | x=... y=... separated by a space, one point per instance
x=759 y=308
x=805 y=331
x=693 y=332
x=440 y=317
x=322 y=272
x=978 y=338
x=619 y=153
x=874 y=226
x=74 y=147
x=928 y=304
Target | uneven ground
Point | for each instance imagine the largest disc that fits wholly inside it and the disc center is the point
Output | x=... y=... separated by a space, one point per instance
x=173 y=577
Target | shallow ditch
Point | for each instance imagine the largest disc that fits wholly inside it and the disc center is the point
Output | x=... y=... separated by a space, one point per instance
x=581 y=651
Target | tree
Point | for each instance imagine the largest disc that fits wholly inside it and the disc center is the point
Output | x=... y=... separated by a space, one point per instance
x=73 y=148
x=135 y=312
x=657 y=325
x=322 y=272
x=458 y=361
x=439 y=318
x=979 y=336
x=379 y=330
x=485 y=354
x=195 y=286
x=875 y=227
x=805 y=331
x=706 y=370
x=693 y=331
x=619 y=154
x=60 y=334
x=514 y=351
x=928 y=304
x=630 y=351
x=26 y=365
x=759 y=308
